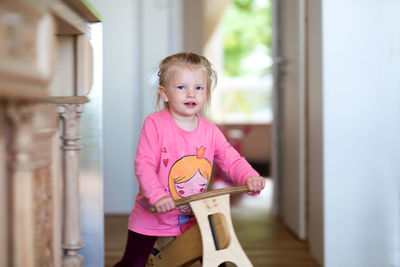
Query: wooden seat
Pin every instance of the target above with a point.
(213, 239)
(182, 251)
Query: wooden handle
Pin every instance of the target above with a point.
(213, 193)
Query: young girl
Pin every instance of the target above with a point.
(174, 156)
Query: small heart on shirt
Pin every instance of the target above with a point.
(164, 150)
(165, 162)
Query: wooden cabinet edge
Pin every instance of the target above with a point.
(86, 10)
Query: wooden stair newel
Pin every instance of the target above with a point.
(32, 186)
(72, 236)
(212, 256)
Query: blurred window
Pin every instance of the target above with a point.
(244, 91)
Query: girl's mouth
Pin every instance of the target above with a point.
(190, 104)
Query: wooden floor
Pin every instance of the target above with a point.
(265, 239)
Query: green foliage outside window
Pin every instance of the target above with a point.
(246, 28)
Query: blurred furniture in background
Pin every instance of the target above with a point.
(252, 141)
(45, 74)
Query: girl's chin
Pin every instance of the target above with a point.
(187, 114)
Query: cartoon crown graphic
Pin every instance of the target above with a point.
(200, 152)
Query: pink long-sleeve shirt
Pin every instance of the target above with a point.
(173, 162)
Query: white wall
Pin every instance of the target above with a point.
(121, 101)
(137, 35)
(91, 163)
(160, 36)
(361, 118)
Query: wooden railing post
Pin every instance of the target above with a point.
(72, 235)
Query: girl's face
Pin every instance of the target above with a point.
(195, 185)
(186, 91)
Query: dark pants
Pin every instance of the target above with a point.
(137, 250)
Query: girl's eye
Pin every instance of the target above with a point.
(181, 87)
(180, 187)
(202, 184)
(199, 88)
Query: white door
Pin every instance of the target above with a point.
(290, 113)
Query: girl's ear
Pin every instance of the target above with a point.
(163, 93)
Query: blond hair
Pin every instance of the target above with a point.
(189, 59)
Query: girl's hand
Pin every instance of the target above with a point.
(165, 204)
(255, 183)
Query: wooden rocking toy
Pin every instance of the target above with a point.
(215, 230)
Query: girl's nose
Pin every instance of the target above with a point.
(190, 93)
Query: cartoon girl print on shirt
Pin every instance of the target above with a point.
(189, 176)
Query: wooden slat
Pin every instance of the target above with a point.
(15, 91)
(66, 100)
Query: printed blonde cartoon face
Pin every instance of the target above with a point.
(195, 185)
(189, 175)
